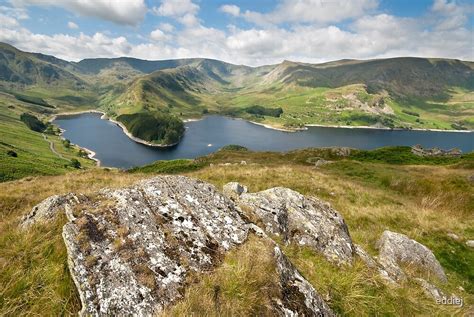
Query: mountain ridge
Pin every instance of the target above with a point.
(402, 92)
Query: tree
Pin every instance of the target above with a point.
(75, 163)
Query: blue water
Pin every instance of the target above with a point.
(113, 148)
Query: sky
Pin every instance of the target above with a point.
(250, 32)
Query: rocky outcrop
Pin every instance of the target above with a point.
(302, 220)
(49, 208)
(233, 190)
(420, 151)
(299, 298)
(132, 251)
(397, 249)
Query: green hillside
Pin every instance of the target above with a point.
(396, 93)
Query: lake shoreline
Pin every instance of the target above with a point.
(292, 130)
(105, 117)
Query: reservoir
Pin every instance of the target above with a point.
(114, 149)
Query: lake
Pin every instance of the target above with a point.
(113, 148)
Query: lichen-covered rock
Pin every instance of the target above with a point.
(303, 220)
(397, 249)
(233, 190)
(48, 209)
(130, 250)
(298, 298)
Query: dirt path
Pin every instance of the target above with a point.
(51, 147)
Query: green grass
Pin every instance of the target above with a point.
(417, 200)
(169, 167)
(34, 156)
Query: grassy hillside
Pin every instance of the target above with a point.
(155, 127)
(395, 93)
(371, 194)
(33, 153)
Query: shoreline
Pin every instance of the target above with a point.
(90, 154)
(292, 130)
(383, 128)
(105, 117)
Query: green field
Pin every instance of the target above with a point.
(34, 156)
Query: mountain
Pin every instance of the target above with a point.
(401, 77)
(26, 69)
(403, 92)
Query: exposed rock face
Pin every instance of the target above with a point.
(49, 208)
(233, 190)
(397, 249)
(299, 297)
(420, 151)
(130, 250)
(303, 220)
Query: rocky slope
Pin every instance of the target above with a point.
(134, 250)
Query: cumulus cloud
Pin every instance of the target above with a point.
(129, 12)
(230, 9)
(367, 36)
(167, 27)
(176, 8)
(159, 35)
(311, 11)
(72, 25)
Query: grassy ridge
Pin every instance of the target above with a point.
(415, 200)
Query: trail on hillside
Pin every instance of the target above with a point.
(51, 147)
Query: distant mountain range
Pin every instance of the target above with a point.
(396, 92)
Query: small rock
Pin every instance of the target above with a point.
(302, 220)
(396, 249)
(299, 298)
(233, 190)
(48, 209)
(470, 243)
(430, 290)
(453, 236)
(243, 163)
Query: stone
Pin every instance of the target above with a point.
(453, 236)
(233, 190)
(302, 220)
(470, 243)
(299, 298)
(371, 263)
(430, 290)
(397, 249)
(131, 249)
(341, 151)
(48, 209)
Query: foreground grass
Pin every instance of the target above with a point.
(424, 201)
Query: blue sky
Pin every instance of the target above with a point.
(243, 32)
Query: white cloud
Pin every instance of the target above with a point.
(167, 27)
(176, 8)
(312, 11)
(159, 35)
(368, 36)
(72, 25)
(16, 13)
(450, 15)
(129, 12)
(230, 9)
